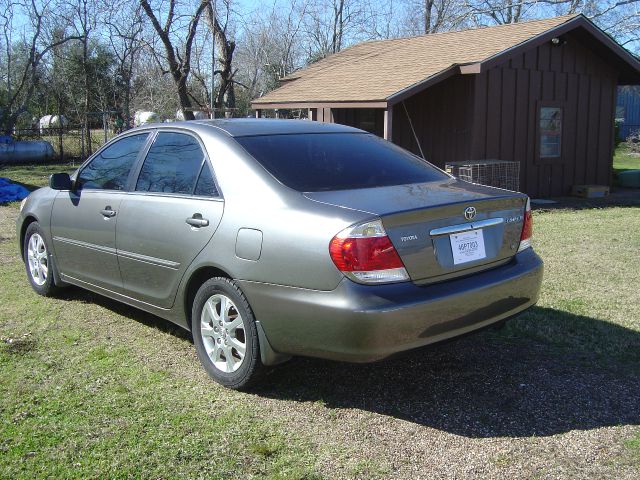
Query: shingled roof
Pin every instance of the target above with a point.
(378, 71)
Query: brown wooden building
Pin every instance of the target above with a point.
(541, 93)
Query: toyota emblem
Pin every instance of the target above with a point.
(470, 213)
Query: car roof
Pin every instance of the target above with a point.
(243, 127)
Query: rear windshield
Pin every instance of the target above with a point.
(337, 161)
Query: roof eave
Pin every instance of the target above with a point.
(268, 105)
(571, 24)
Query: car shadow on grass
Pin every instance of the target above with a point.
(85, 296)
(507, 383)
(546, 372)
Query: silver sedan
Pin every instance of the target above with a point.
(273, 238)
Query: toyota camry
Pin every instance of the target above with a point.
(274, 238)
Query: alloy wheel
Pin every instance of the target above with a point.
(223, 333)
(38, 259)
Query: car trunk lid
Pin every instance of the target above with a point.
(427, 225)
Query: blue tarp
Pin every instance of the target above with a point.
(10, 192)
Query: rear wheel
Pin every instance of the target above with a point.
(225, 334)
(38, 261)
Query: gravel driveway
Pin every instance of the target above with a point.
(472, 408)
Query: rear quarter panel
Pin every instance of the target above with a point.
(295, 230)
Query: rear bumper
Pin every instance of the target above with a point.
(362, 323)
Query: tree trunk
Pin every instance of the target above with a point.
(183, 98)
(226, 93)
(428, 7)
(179, 65)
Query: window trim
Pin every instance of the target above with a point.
(555, 159)
(133, 179)
(98, 152)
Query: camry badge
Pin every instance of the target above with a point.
(470, 213)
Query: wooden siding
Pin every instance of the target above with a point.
(441, 117)
(507, 100)
(494, 115)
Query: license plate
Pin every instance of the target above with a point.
(467, 246)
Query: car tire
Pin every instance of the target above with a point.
(39, 262)
(225, 334)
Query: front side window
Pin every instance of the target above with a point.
(109, 169)
(172, 164)
(337, 161)
(550, 132)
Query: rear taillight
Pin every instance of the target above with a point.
(365, 254)
(527, 229)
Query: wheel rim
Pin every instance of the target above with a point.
(223, 333)
(38, 259)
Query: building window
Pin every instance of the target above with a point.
(550, 132)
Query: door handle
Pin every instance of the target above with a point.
(197, 221)
(108, 212)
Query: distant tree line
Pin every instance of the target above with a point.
(96, 59)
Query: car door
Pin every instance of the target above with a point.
(83, 221)
(168, 219)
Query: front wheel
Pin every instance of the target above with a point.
(225, 335)
(38, 261)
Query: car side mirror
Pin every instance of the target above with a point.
(60, 181)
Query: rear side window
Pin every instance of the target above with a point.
(206, 187)
(109, 170)
(172, 164)
(337, 161)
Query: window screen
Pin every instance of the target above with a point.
(337, 161)
(172, 164)
(550, 132)
(109, 169)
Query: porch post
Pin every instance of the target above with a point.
(388, 123)
(258, 113)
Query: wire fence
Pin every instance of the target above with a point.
(494, 173)
(69, 144)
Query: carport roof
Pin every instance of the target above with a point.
(381, 73)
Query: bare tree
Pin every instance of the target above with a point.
(421, 17)
(125, 28)
(384, 20)
(23, 81)
(330, 25)
(226, 92)
(272, 46)
(82, 16)
(177, 59)
(618, 18)
(150, 88)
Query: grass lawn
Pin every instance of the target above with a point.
(625, 159)
(90, 388)
(35, 176)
